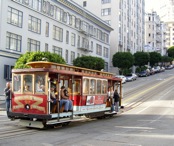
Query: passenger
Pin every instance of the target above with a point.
(26, 88)
(65, 99)
(41, 89)
(53, 96)
(7, 92)
(116, 100)
(110, 97)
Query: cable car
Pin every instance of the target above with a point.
(87, 89)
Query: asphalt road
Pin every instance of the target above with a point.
(147, 120)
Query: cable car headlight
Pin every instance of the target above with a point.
(27, 106)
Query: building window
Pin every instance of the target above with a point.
(78, 41)
(106, 66)
(34, 24)
(99, 34)
(72, 56)
(66, 56)
(13, 42)
(105, 12)
(47, 29)
(105, 1)
(105, 38)
(8, 72)
(58, 33)
(92, 46)
(15, 17)
(105, 53)
(67, 37)
(84, 4)
(78, 54)
(59, 14)
(99, 49)
(35, 4)
(73, 39)
(46, 47)
(33, 45)
(57, 50)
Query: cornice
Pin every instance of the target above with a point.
(9, 54)
(84, 13)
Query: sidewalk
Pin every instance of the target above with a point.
(2, 103)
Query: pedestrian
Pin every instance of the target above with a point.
(116, 98)
(7, 92)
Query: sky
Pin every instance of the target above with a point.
(153, 4)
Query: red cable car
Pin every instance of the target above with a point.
(31, 88)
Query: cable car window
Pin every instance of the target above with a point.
(40, 83)
(17, 83)
(85, 86)
(98, 86)
(27, 84)
(92, 86)
(104, 87)
(76, 87)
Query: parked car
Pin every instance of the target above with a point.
(131, 77)
(144, 73)
(122, 77)
(157, 69)
(152, 72)
(162, 69)
(169, 67)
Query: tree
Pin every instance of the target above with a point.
(141, 58)
(38, 56)
(90, 62)
(166, 59)
(154, 58)
(170, 52)
(123, 60)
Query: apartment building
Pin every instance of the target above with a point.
(58, 26)
(126, 17)
(166, 13)
(155, 34)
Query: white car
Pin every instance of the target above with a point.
(121, 77)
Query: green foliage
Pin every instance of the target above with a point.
(123, 60)
(141, 58)
(166, 59)
(89, 62)
(154, 58)
(37, 56)
(139, 69)
(170, 52)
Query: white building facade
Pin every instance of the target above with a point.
(58, 26)
(155, 34)
(166, 13)
(126, 17)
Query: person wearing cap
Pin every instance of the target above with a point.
(65, 98)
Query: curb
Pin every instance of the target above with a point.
(2, 109)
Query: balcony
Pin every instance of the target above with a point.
(85, 48)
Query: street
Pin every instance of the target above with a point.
(146, 120)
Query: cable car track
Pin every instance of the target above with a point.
(143, 95)
(15, 131)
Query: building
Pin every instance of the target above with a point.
(58, 26)
(126, 17)
(154, 34)
(166, 14)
